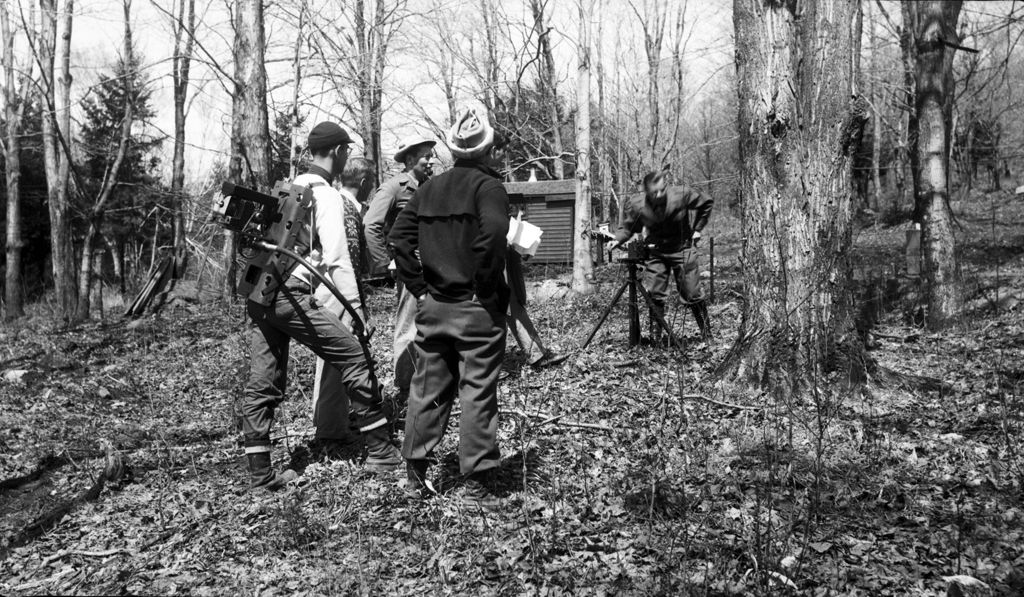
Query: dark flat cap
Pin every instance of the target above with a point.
(326, 135)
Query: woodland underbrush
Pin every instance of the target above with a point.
(625, 471)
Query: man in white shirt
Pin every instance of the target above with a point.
(334, 438)
(294, 313)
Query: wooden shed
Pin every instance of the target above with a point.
(550, 205)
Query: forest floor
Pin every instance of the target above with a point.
(679, 485)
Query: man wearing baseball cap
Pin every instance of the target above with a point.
(415, 154)
(456, 224)
(294, 313)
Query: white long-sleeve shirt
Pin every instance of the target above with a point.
(332, 257)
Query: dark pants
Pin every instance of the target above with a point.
(459, 349)
(296, 315)
(682, 265)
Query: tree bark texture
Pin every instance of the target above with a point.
(933, 26)
(56, 100)
(797, 127)
(184, 36)
(250, 127)
(583, 261)
(14, 109)
(249, 121)
(548, 78)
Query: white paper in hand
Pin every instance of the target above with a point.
(523, 236)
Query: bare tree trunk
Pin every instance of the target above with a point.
(184, 37)
(796, 126)
(583, 261)
(876, 115)
(56, 102)
(908, 51)
(369, 78)
(15, 100)
(297, 58)
(250, 128)
(549, 82)
(934, 31)
(117, 259)
(85, 276)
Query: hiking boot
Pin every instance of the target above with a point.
(416, 484)
(263, 476)
(700, 313)
(382, 455)
(476, 491)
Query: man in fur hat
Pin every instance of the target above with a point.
(456, 223)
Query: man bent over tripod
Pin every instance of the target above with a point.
(666, 215)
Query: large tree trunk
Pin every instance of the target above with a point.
(250, 126)
(583, 261)
(797, 128)
(184, 36)
(14, 109)
(934, 32)
(56, 102)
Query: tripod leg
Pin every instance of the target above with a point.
(659, 316)
(604, 316)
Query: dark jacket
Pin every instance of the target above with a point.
(380, 216)
(670, 229)
(457, 221)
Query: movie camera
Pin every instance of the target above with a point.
(265, 224)
(268, 226)
(634, 253)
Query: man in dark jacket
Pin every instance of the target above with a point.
(457, 222)
(665, 213)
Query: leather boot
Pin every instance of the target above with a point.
(263, 476)
(416, 484)
(382, 455)
(700, 313)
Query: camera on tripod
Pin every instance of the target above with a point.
(636, 252)
(263, 223)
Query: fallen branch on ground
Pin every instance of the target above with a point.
(547, 418)
(81, 552)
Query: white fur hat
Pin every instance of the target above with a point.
(471, 135)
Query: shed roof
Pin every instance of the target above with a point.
(541, 187)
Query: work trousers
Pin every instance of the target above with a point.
(295, 315)
(331, 405)
(682, 265)
(404, 354)
(459, 349)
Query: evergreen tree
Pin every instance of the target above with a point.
(137, 204)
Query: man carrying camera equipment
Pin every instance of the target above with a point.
(457, 222)
(392, 196)
(672, 237)
(294, 313)
(333, 437)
